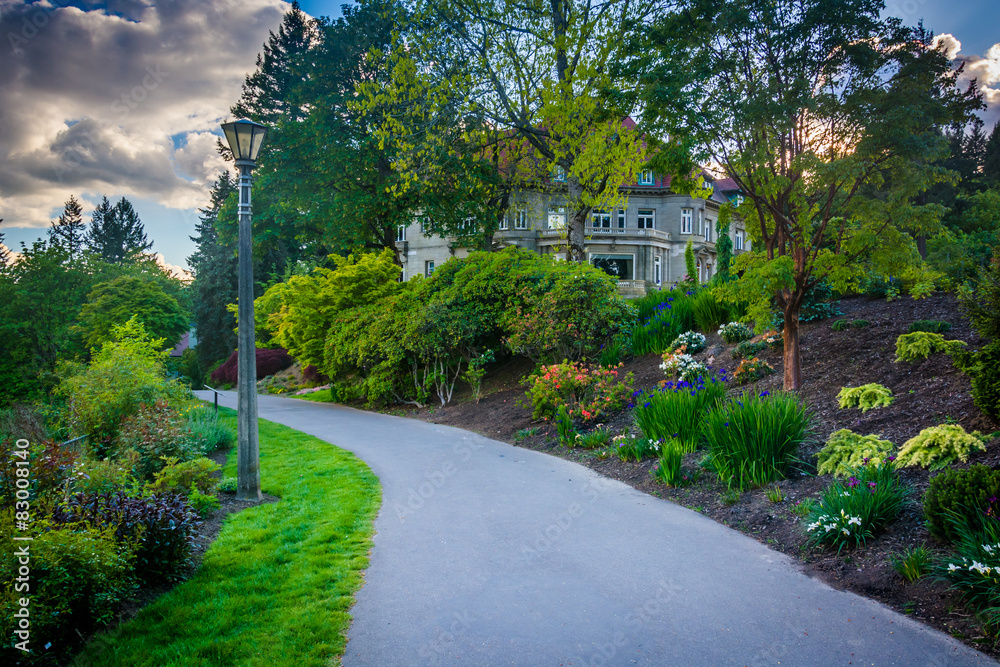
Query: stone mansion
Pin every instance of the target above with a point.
(642, 244)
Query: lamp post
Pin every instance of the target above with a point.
(245, 138)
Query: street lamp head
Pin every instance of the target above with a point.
(245, 138)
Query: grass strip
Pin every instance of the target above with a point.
(277, 585)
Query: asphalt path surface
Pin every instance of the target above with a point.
(488, 554)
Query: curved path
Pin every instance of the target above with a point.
(488, 554)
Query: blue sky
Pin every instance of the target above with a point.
(135, 109)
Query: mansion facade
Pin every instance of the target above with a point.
(641, 244)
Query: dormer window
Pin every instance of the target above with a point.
(646, 177)
(559, 174)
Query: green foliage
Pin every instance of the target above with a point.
(127, 372)
(913, 563)
(79, 577)
(587, 393)
(663, 315)
(203, 504)
(751, 370)
(630, 448)
(595, 439)
(983, 368)
(866, 397)
(187, 477)
(754, 439)
(156, 432)
(921, 344)
(973, 567)
(709, 312)
(93, 477)
(476, 371)
(677, 412)
(860, 324)
(735, 332)
(980, 301)
(930, 326)
(968, 496)
(227, 485)
(749, 349)
(846, 451)
(774, 494)
(939, 446)
(114, 303)
(668, 469)
(564, 426)
(840, 325)
(851, 512)
(205, 432)
(691, 277)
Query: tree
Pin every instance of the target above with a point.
(827, 117)
(546, 70)
(724, 245)
(116, 234)
(4, 251)
(991, 158)
(69, 231)
(112, 304)
(214, 265)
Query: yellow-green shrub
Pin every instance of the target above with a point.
(866, 397)
(846, 450)
(938, 446)
(922, 344)
(187, 477)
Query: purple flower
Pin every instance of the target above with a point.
(852, 483)
(646, 405)
(765, 393)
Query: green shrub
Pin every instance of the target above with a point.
(227, 485)
(860, 324)
(972, 570)
(866, 397)
(921, 344)
(127, 372)
(752, 370)
(692, 342)
(597, 438)
(676, 412)
(846, 451)
(156, 433)
(754, 439)
(983, 368)
(94, 477)
(205, 432)
(79, 576)
(735, 332)
(204, 504)
(855, 510)
(749, 349)
(587, 393)
(774, 339)
(840, 325)
(708, 312)
(980, 300)
(930, 326)
(564, 427)
(188, 477)
(668, 469)
(939, 446)
(913, 563)
(960, 494)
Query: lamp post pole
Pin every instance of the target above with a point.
(248, 447)
(245, 138)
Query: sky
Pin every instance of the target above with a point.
(125, 98)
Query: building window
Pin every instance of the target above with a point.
(709, 225)
(700, 279)
(701, 222)
(601, 219)
(520, 219)
(646, 218)
(686, 215)
(619, 266)
(400, 233)
(558, 174)
(504, 223)
(657, 274)
(621, 218)
(557, 217)
(738, 243)
(428, 268)
(646, 177)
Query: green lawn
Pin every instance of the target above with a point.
(277, 585)
(321, 396)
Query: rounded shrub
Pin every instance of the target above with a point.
(983, 368)
(962, 495)
(846, 451)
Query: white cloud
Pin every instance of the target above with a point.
(984, 69)
(951, 45)
(90, 100)
(173, 269)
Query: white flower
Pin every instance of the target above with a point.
(979, 567)
(952, 567)
(854, 519)
(814, 525)
(845, 531)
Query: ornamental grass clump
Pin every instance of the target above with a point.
(631, 448)
(846, 450)
(662, 317)
(676, 411)
(668, 469)
(754, 439)
(866, 397)
(974, 571)
(735, 332)
(922, 344)
(938, 447)
(852, 511)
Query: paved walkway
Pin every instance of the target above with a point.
(487, 554)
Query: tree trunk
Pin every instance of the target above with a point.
(922, 245)
(576, 223)
(793, 362)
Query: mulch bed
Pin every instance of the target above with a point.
(927, 393)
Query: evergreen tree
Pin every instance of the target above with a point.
(116, 233)
(975, 147)
(69, 231)
(4, 251)
(991, 158)
(214, 265)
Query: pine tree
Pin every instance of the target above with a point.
(116, 233)
(4, 251)
(991, 158)
(69, 231)
(214, 265)
(975, 146)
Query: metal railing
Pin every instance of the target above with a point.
(216, 392)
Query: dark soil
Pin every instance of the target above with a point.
(927, 393)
